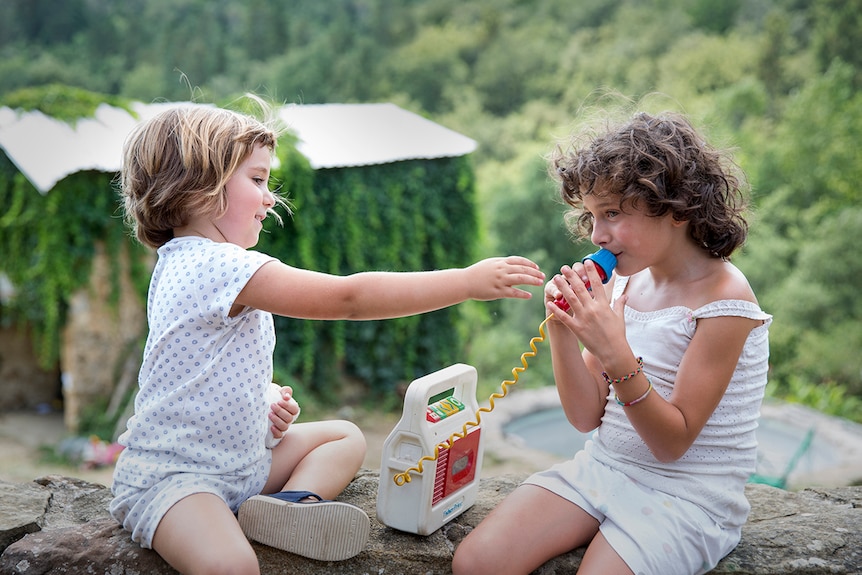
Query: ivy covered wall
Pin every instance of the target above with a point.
(403, 216)
(48, 243)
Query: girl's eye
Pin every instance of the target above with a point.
(258, 180)
(611, 214)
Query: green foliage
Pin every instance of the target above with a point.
(817, 307)
(831, 398)
(48, 243)
(405, 216)
(526, 214)
(706, 64)
(62, 102)
(837, 34)
(801, 258)
(714, 16)
(435, 52)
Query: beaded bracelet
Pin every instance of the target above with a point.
(635, 401)
(625, 377)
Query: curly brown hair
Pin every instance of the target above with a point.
(662, 165)
(177, 164)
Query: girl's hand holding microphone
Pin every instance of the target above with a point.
(603, 263)
(586, 312)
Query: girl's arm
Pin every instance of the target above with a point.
(299, 293)
(582, 395)
(668, 427)
(583, 392)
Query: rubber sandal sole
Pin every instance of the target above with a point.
(325, 530)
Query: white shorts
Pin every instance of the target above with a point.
(140, 510)
(653, 532)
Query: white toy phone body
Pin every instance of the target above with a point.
(436, 407)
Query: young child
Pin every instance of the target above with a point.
(207, 436)
(671, 376)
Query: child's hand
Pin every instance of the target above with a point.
(553, 290)
(283, 412)
(597, 325)
(495, 278)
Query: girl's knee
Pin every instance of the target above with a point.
(238, 562)
(351, 430)
(353, 439)
(469, 559)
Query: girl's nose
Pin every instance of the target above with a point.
(598, 235)
(268, 199)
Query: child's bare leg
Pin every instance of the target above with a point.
(531, 526)
(321, 456)
(200, 534)
(600, 558)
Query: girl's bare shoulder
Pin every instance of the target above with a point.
(731, 283)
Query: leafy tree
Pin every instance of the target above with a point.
(802, 257)
(424, 67)
(713, 16)
(838, 34)
(46, 22)
(704, 64)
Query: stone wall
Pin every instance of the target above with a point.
(59, 525)
(100, 339)
(99, 348)
(24, 383)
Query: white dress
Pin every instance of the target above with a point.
(200, 421)
(660, 515)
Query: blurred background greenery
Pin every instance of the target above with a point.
(779, 80)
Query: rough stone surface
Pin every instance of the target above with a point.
(58, 525)
(23, 507)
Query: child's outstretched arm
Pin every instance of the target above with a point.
(299, 293)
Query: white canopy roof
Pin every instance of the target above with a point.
(47, 150)
(341, 135)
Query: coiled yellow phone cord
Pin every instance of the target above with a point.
(404, 477)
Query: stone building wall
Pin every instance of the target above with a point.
(99, 349)
(101, 339)
(23, 384)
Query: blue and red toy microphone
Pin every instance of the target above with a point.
(605, 263)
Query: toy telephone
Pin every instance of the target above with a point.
(441, 416)
(436, 406)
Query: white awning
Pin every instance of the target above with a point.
(342, 135)
(47, 150)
